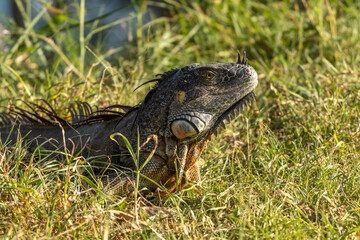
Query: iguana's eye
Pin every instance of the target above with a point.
(208, 75)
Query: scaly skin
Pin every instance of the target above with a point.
(171, 125)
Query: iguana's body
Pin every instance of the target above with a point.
(173, 123)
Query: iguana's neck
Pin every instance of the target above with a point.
(153, 113)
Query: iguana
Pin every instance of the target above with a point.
(171, 126)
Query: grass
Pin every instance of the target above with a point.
(287, 168)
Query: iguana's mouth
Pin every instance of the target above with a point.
(231, 112)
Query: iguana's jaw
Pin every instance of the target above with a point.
(192, 124)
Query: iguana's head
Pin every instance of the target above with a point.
(196, 99)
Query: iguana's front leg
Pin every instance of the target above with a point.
(158, 171)
(153, 174)
(177, 163)
(189, 165)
